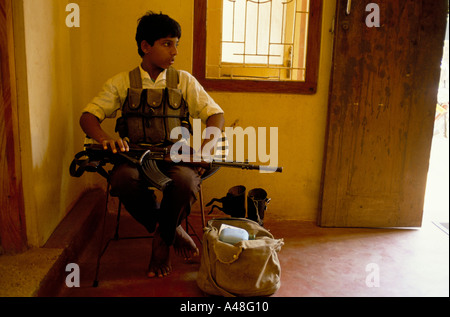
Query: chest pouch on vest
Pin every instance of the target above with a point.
(149, 115)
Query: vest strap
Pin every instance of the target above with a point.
(171, 78)
(135, 78)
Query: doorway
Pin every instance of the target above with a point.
(436, 207)
(381, 114)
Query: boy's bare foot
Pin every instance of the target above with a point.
(184, 246)
(160, 261)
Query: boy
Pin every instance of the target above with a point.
(157, 39)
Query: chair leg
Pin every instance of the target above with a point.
(101, 249)
(116, 234)
(194, 233)
(202, 211)
(202, 208)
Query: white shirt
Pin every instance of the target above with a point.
(114, 92)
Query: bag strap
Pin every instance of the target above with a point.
(135, 78)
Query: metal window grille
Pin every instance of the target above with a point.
(260, 39)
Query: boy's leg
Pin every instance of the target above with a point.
(139, 201)
(178, 198)
(175, 207)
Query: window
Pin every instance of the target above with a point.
(257, 45)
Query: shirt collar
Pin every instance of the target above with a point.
(146, 77)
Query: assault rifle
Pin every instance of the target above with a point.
(146, 158)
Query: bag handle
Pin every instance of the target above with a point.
(230, 220)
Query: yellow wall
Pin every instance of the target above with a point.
(66, 67)
(46, 114)
(301, 122)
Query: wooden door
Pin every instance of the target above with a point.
(381, 113)
(12, 219)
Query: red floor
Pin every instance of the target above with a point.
(315, 262)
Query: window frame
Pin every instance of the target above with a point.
(309, 86)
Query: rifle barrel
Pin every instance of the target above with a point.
(162, 154)
(248, 166)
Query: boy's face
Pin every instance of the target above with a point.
(162, 54)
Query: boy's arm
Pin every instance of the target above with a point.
(91, 126)
(216, 120)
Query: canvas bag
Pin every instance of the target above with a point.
(248, 268)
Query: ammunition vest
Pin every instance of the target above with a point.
(149, 115)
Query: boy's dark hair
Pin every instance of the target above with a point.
(153, 27)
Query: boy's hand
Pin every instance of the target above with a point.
(114, 145)
(200, 171)
(91, 126)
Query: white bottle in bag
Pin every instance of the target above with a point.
(231, 234)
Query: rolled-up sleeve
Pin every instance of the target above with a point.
(200, 103)
(109, 100)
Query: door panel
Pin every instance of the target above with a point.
(381, 113)
(12, 218)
